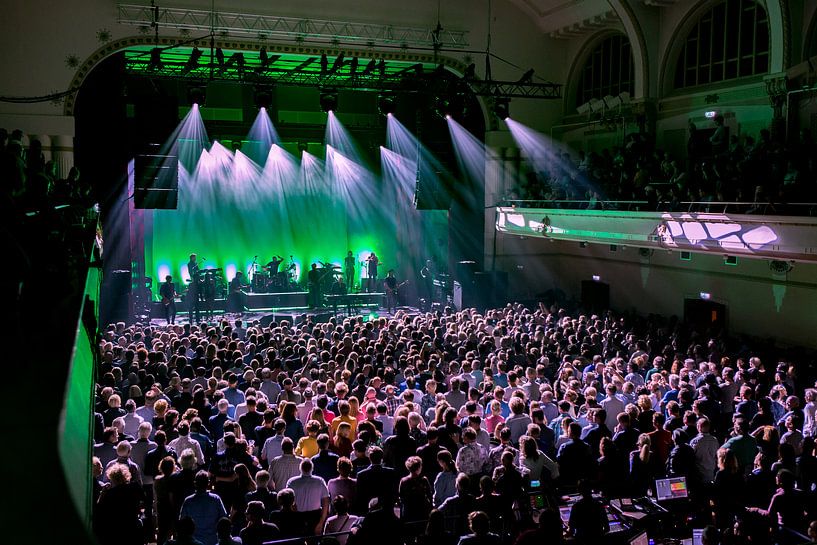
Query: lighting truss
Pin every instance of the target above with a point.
(305, 70)
(290, 28)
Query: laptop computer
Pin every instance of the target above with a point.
(640, 539)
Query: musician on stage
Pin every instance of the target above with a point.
(237, 301)
(349, 270)
(168, 294)
(427, 273)
(272, 266)
(209, 292)
(390, 283)
(314, 284)
(193, 289)
(371, 268)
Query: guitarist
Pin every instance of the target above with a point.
(391, 285)
(237, 300)
(168, 293)
(193, 295)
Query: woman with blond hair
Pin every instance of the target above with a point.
(642, 466)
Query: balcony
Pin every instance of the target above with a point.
(704, 228)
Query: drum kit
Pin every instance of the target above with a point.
(265, 281)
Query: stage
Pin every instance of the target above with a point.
(277, 306)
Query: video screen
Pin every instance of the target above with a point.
(670, 489)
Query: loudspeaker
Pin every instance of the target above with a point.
(156, 181)
(595, 295)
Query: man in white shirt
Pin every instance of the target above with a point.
(184, 441)
(706, 448)
(305, 408)
(613, 405)
(272, 446)
(282, 468)
(311, 496)
(132, 420)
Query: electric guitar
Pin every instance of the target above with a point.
(397, 287)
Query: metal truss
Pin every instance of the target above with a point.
(516, 90)
(403, 78)
(290, 28)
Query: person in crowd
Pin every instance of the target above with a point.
(311, 497)
(205, 509)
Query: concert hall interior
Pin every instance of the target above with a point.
(432, 272)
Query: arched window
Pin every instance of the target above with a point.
(729, 41)
(608, 71)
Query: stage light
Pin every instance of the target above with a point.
(418, 69)
(502, 107)
(265, 60)
(381, 67)
(527, 77)
(450, 106)
(596, 105)
(372, 64)
(238, 59)
(470, 72)
(338, 64)
(439, 71)
(583, 109)
(706, 296)
(220, 57)
(193, 62)
(596, 278)
(329, 100)
(155, 59)
(324, 64)
(353, 66)
(197, 95)
(611, 101)
(386, 104)
(263, 97)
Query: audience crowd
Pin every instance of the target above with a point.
(440, 428)
(718, 167)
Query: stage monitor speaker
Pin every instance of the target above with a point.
(156, 181)
(595, 295)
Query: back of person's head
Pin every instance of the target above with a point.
(286, 499)
(550, 523)
(710, 536)
(201, 481)
(255, 511)
(306, 466)
(287, 446)
(224, 527)
(376, 455)
(575, 430)
(340, 504)
(187, 459)
(479, 523)
(463, 483)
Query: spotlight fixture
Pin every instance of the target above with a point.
(329, 100)
(418, 69)
(527, 77)
(439, 71)
(238, 59)
(220, 58)
(596, 105)
(386, 104)
(381, 67)
(265, 60)
(324, 64)
(583, 109)
(197, 95)
(155, 59)
(502, 107)
(337, 64)
(370, 67)
(263, 97)
(353, 66)
(451, 106)
(193, 62)
(470, 72)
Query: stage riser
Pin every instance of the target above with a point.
(255, 301)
